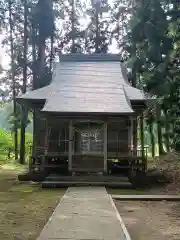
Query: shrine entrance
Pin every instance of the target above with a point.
(89, 149)
(90, 137)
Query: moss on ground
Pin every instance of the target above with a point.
(24, 208)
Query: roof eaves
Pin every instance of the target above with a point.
(127, 99)
(40, 94)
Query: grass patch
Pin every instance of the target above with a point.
(24, 208)
(12, 166)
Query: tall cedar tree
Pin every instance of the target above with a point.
(24, 112)
(15, 130)
(71, 39)
(97, 32)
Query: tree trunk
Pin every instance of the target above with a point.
(34, 61)
(24, 109)
(15, 128)
(134, 80)
(73, 50)
(97, 28)
(38, 71)
(41, 60)
(167, 130)
(152, 139)
(159, 129)
(34, 81)
(51, 55)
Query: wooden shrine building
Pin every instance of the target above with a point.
(87, 116)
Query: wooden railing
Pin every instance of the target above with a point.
(139, 152)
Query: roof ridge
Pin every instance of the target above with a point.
(93, 57)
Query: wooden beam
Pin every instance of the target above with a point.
(70, 146)
(105, 147)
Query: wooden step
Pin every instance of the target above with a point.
(85, 169)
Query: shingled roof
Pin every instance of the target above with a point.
(95, 83)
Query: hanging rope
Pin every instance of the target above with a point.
(90, 132)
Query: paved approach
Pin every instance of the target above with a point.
(84, 213)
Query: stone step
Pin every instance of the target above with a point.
(93, 178)
(62, 184)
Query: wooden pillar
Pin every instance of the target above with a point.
(70, 146)
(142, 134)
(46, 146)
(130, 135)
(134, 131)
(35, 126)
(105, 147)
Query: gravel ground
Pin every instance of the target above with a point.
(151, 220)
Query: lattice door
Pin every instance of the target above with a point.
(90, 137)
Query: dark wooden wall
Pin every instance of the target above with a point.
(88, 162)
(117, 137)
(39, 135)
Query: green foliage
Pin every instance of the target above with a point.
(6, 145)
(7, 118)
(152, 45)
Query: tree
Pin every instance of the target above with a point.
(151, 50)
(24, 113)
(71, 37)
(13, 78)
(43, 28)
(97, 32)
(120, 13)
(150, 119)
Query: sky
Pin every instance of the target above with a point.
(4, 59)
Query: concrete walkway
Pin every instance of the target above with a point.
(85, 213)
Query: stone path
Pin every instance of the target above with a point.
(85, 213)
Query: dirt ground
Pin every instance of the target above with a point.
(151, 220)
(161, 189)
(24, 208)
